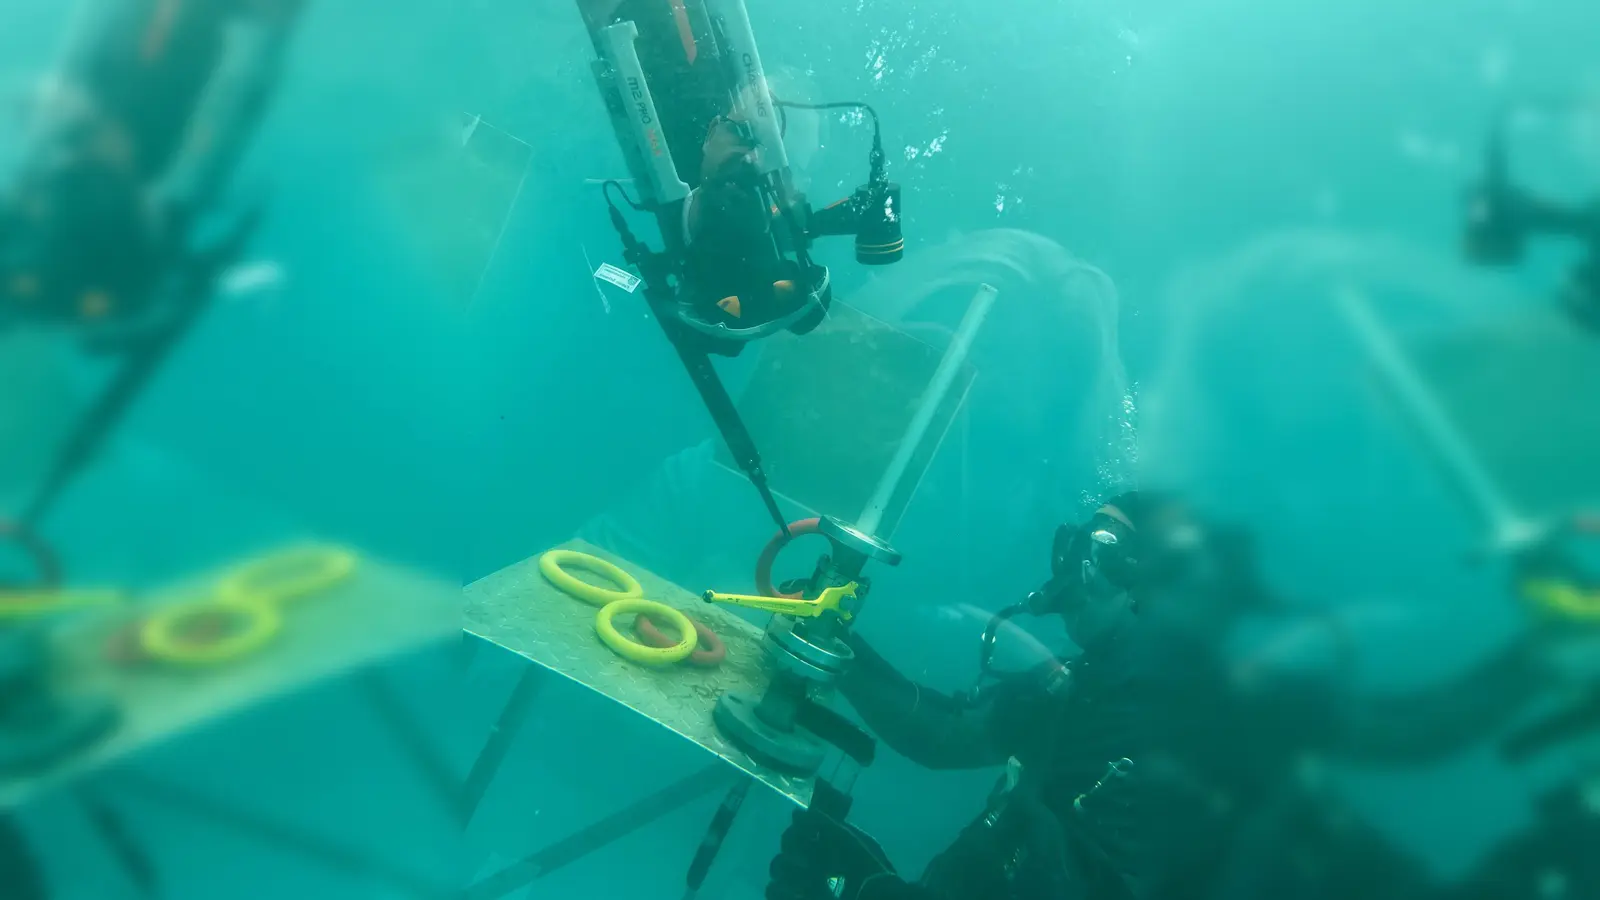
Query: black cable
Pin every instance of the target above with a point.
(606, 187)
(712, 391)
(877, 134)
(716, 833)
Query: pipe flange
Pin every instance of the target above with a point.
(795, 751)
(819, 659)
(848, 537)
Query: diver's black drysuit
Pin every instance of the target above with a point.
(1553, 857)
(1060, 825)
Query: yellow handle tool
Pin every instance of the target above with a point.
(841, 600)
(1564, 599)
(18, 604)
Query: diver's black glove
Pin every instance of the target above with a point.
(824, 859)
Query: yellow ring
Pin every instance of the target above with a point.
(287, 575)
(159, 633)
(35, 602)
(643, 653)
(550, 566)
(1564, 599)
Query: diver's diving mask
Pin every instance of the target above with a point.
(1093, 561)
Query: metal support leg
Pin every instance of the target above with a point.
(282, 837)
(134, 859)
(501, 735)
(412, 739)
(603, 833)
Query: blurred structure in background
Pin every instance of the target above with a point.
(118, 230)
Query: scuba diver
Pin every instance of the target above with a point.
(1251, 733)
(688, 98)
(1071, 817)
(1553, 856)
(1223, 794)
(1501, 216)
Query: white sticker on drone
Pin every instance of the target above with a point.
(622, 279)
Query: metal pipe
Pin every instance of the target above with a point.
(945, 375)
(1507, 527)
(753, 98)
(498, 744)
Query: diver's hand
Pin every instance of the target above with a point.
(1112, 815)
(822, 859)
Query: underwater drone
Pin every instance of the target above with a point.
(702, 135)
(1501, 217)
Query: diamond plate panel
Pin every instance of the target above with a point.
(380, 611)
(518, 610)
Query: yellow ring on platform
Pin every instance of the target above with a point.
(159, 635)
(43, 601)
(645, 654)
(1564, 599)
(550, 566)
(287, 575)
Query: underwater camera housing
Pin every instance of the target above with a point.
(122, 175)
(702, 135)
(1500, 217)
(872, 215)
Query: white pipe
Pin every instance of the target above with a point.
(1508, 528)
(932, 398)
(617, 46)
(753, 99)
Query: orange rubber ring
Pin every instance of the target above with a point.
(769, 555)
(709, 651)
